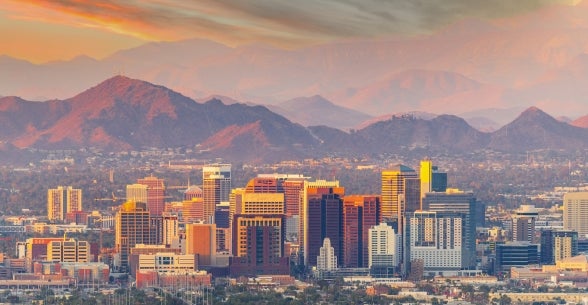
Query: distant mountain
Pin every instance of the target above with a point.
(442, 133)
(316, 110)
(122, 113)
(537, 58)
(386, 117)
(125, 114)
(580, 122)
(534, 129)
(483, 124)
(407, 91)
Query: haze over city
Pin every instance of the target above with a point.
(293, 152)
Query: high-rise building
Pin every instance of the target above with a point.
(575, 216)
(426, 176)
(457, 201)
(393, 190)
(523, 223)
(436, 238)
(192, 210)
(132, 226)
(384, 250)
(155, 194)
(170, 228)
(292, 185)
(557, 245)
(360, 213)
(439, 180)
(327, 260)
(216, 187)
(262, 203)
(61, 201)
(201, 240)
(258, 245)
(313, 188)
(324, 219)
(137, 193)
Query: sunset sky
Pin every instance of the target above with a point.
(41, 31)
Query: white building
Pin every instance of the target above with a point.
(436, 238)
(326, 259)
(575, 215)
(383, 246)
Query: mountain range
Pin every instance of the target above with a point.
(509, 63)
(122, 114)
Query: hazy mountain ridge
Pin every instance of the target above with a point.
(469, 65)
(122, 113)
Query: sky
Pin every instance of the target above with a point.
(40, 31)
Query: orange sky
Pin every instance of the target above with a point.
(44, 30)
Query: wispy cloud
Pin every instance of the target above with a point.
(285, 22)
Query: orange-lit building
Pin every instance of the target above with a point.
(360, 213)
(201, 240)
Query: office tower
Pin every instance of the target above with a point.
(61, 201)
(263, 185)
(193, 192)
(201, 240)
(515, 254)
(169, 228)
(74, 200)
(216, 187)
(292, 185)
(324, 219)
(523, 223)
(313, 188)
(132, 226)
(327, 260)
(137, 192)
(55, 204)
(439, 180)
(262, 203)
(192, 210)
(221, 215)
(235, 203)
(426, 176)
(360, 213)
(258, 245)
(383, 250)
(155, 194)
(557, 245)
(575, 216)
(393, 188)
(68, 250)
(436, 238)
(457, 201)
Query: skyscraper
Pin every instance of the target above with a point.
(436, 238)
(384, 250)
(324, 219)
(457, 201)
(557, 245)
(61, 201)
(426, 176)
(137, 193)
(258, 245)
(216, 187)
(575, 216)
(360, 213)
(312, 188)
(523, 223)
(393, 189)
(132, 226)
(155, 194)
(201, 240)
(170, 228)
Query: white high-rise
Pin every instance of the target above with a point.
(437, 238)
(326, 259)
(575, 215)
(61, 201)
(383, 246)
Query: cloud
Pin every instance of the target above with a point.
(281, 22)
